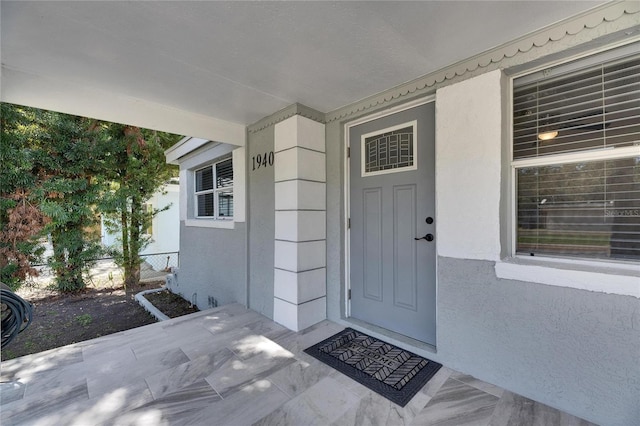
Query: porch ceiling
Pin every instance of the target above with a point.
(193, 67)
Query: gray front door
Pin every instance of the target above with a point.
(392, 202)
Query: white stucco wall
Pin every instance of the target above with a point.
(468, 164)
(470, 131)
(166, 224)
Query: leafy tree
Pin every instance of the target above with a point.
(58, 171)
(136, 169)
(71, 154)
(21, 221)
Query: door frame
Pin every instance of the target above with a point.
(347, 193)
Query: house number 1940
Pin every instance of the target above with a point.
(262, 160)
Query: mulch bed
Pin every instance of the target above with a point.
(101, 309)
(170, 304)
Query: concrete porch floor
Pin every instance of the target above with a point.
(233, 366)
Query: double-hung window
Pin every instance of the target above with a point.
(214, 191)
(576, 159)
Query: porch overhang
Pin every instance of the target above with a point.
(209, 69)
(24, 88)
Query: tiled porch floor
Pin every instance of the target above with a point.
(233, 366)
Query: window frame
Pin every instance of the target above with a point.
(599, 154)
(215, 190)
(148, 211)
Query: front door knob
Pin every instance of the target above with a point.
(428, 237)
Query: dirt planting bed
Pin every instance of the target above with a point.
(101, 309)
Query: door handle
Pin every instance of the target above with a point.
(428, 237)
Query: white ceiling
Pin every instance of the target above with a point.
(241, 61)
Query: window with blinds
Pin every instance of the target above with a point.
(224, 188)
(576, 159)
(214, 190)
(594, 108)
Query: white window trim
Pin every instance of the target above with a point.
(605, 276)
(210, 223)
(612, 153)
(582, 275)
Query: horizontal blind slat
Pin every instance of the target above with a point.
(224, 174)
(204, 179)
(590, 108)
(588, 209)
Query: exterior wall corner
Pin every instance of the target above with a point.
(300, 223)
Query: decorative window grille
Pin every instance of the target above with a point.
(214, 190)
(389, 150)
(576, 159)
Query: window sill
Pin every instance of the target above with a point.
(613, 278)
(210, 223)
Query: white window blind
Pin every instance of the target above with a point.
(224, 188)
(597, 107)
(204, 192)
(224, 174)
(585, 209)
(582, 205)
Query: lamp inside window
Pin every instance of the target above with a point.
(546, 136)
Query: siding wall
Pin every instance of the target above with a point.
(166, 224)
(212, 263)
(573, 349)
(570, 348)
(261, 221)
(232, 265)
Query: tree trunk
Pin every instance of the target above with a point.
(126, 256)
(67, 262)
(134, 243)
(59, 258)
(75, 262)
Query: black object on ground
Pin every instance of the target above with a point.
(388, 370)
(16, 314)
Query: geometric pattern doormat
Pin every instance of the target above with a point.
(390, 371)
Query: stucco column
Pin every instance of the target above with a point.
(300, 228)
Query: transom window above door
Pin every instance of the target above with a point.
(389, 150)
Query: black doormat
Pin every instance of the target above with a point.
(388, 370)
